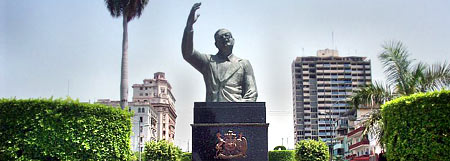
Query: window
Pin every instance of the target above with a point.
(141, 119)
(143, 110)
(141, 129)
(146, 94)
(141, 138)
(162, 90)
(140, 94)
(139, 110)
(146, 88)
(140, 88)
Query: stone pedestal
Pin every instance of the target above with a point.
(246, 118)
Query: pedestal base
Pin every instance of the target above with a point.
(246, 118)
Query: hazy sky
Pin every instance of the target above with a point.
(47, 43)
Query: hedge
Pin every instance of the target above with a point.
(417, 127)
(186, 156)
(282, 155)
(47, 129)
(311, 150)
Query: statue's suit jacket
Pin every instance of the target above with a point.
(235, 84)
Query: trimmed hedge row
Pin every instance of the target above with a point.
(282, 155)
(47, 129)
(417, 127)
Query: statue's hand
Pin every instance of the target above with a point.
(192, 17)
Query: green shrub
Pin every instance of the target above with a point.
(279, 147)
(417, 127)
(162, 151)
(136, 155)
(186, 156)
(282, 155)
(311, 150)
(46, 129)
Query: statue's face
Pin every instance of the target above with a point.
(224, 39)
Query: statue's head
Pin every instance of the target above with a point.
(224, 40)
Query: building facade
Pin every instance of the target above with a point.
(362, 147)
(144, 125)
(144, 122)
(158, 93)
(154, 111)
(322, 86)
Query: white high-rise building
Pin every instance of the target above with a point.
(143, 124)
(154, 111)
(158, 93)
(322, 86)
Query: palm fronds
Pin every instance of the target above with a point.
(372, 95)
(396, 66)
(130, 8)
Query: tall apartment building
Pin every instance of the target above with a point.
(158, 93)
(322, 86)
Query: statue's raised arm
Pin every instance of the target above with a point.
(187, 44)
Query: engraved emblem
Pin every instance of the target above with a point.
(230, 146)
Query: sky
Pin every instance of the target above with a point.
(59, 48)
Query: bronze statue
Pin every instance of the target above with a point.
(230, 146)
(227, 77)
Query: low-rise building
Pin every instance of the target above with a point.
(362, 147)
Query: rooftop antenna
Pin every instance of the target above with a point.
(332, 40)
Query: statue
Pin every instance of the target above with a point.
(227, 77)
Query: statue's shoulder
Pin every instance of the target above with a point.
(244, 61)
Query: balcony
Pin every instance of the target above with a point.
(358, 158)
(355, 131)
(338, 146)
(362, 142)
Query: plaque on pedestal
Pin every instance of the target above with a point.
(235, 131)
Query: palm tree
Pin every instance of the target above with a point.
(403, 78)
(407, 78)
(128, 9)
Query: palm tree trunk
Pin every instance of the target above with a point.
(124, 67)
